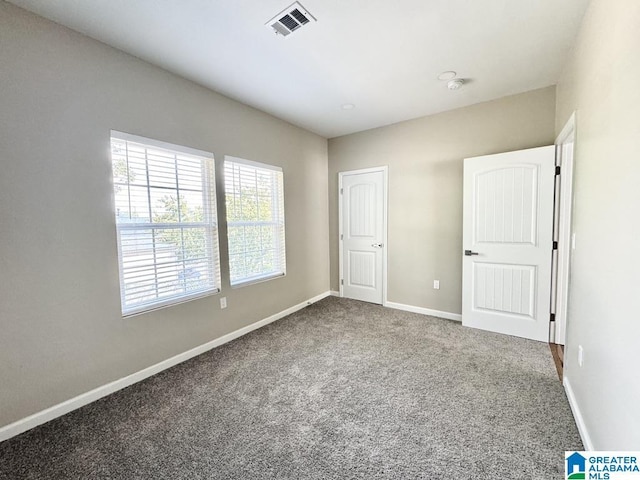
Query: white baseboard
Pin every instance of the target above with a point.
(424, 311)
(577, 415)
(81, 400)
(410, 308)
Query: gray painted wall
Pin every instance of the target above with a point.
(61, 331)
(425, 186)
(600, 83)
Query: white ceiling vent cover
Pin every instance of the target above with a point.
(290, 19)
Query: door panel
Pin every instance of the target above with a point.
(504, 288)
(361, 201)
(508, 222)
(363, 234)
(506, 205)
(362, 269)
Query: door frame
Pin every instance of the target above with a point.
(564, 234)
(385, 210)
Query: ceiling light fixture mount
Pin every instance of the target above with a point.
(455, 84)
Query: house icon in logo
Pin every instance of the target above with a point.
(576, 466)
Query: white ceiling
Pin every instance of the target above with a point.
(381, 55)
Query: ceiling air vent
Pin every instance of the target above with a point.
(290, 19)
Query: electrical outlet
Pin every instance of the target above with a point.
(436, 284)
(223, 302)
(580, 355)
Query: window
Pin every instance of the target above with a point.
(255, 220)
(165, 206)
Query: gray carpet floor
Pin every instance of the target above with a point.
(339, 390)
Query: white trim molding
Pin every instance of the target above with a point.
(424, 311)
(413, 309)
(27, 423)
(577, 415)
(565, 159)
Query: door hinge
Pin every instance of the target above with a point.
(555, 245)
(552, 317)
(558, 170)
(341, 281)
(341, 191)
(341, 236)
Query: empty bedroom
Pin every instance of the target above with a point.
(319, 239)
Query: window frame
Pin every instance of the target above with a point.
(210, 223)
(279, 222)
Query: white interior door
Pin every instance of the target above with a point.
(507, 237)
(363, 234)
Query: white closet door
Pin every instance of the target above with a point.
(363, 234)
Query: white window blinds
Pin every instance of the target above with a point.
(255, 220)
(165, 206)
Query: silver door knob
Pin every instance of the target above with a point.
(376, 245)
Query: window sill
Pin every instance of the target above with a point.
(254, 280)
(169, 303)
